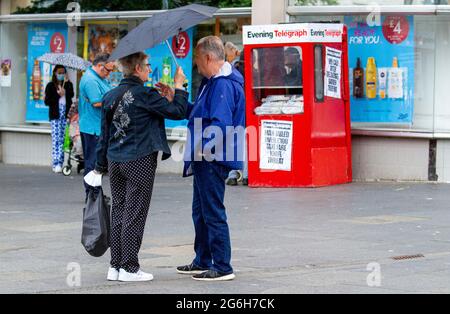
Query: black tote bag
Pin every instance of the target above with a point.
(96, 224)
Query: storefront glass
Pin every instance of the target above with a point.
(21, 97)
(13, 94)
(367, 2)
(277, 80)
(398, 71)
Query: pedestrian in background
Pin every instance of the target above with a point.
(241, 175)
(93, 86)
(58, 97)
(232, 53)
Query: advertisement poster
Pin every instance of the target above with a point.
(5, 72)
(333, 73)
(103, 37)
(163, 66)
(381, 60)
(276, 145)
(42, 38)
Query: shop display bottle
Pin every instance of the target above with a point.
(358, 80)
(371, 78)
(36, 81)
(382, 79)
(395, 81)
(167, 71)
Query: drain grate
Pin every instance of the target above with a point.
(403, 257)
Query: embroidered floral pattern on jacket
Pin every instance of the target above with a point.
(121, 120)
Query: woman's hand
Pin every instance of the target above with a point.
(179, 78)
(165, 91)
(61, 91)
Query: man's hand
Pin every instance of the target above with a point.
(165, 91)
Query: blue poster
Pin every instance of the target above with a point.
(381, 61)
(163, 65)
(42, 38)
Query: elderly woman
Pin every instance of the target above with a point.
(133, 132)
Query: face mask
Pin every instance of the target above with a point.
(60, 77)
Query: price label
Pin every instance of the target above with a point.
(181, 45)
(57, 43)
(395, 29)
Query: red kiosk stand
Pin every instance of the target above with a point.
(298, 110)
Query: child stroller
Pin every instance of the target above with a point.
(73, 148)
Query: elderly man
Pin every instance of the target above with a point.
(218, 109)
(93, 86)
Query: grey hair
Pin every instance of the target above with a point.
(230, 45)
(213, 45)
(127, 65)
(101, 58)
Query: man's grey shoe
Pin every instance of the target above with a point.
(190, 269)
(232, 181)
(212, 275)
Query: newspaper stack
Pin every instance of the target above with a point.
(281, 104)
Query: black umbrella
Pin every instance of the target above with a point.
(161, 26)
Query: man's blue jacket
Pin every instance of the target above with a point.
(216, 127)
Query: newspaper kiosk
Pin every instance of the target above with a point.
(297, 105)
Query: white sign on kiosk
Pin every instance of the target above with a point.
(292, 33)
(333, 73)
(276, 145)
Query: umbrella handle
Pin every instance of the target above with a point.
(185, 85)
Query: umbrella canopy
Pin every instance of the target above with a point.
(161, 26)
(68, 60)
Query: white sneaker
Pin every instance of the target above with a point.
(57, 169)
(113, 274)
(139, 276)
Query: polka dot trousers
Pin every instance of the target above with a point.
(131, 191)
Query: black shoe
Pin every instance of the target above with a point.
(212, 275)
(232, 181)
(191, 269)
(244, 181)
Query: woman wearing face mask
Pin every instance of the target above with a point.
(58, 97)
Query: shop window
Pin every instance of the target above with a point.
(277, 79)
(397, 71)
(278, 68)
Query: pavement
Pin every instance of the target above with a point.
(380, 237)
